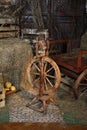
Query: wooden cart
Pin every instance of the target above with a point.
(74, 65)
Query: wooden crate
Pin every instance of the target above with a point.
(2, 98)
(9, 31)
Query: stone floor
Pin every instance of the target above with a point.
(18, 112)
(69, 110)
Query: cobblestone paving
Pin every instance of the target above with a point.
(18, 112)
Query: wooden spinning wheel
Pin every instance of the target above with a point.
(43, 75)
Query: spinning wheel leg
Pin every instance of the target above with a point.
(53, 101)
(45, 101)
(33, 100)
(44, 107)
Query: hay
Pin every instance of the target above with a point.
(14, 53)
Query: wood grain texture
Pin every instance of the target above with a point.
(40, 126)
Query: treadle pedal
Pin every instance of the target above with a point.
(36, 106)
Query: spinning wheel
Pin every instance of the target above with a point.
(43, 75)
(81, 84)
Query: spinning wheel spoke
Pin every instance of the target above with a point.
(36, 66)
(85, 78)
(49, 82)
(36, 80)
(50, 76)
(49, 70)
(34, 73)
(45, 85)
(45, 66)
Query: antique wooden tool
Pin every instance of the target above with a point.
(43, 74)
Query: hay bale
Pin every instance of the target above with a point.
(14, 53)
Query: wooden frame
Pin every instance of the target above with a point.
(75, 63)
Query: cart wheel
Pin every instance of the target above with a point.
(51, 75)
(81, 84)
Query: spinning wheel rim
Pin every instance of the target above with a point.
(55, 68)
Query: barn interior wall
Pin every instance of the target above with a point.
(63, 18)
(66, 18)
